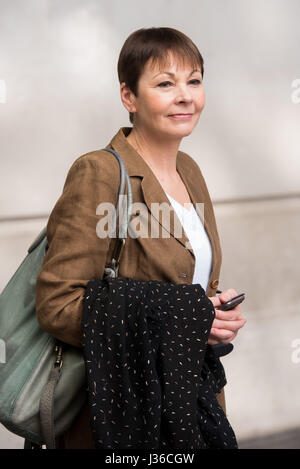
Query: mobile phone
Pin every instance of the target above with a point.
(232, 303)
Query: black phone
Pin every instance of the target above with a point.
(232, 303)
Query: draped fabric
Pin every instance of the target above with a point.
(152, 379)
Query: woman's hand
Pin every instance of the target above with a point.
(226, 323)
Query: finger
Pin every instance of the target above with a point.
(227, 295)
(222, 335)
(213, 341)
(230, 315)
(215, 301)
(236, 308)
(233, 326)
(234, 312)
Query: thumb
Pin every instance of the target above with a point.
(215, 300)
(227, 295)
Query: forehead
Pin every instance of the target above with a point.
(170, 62)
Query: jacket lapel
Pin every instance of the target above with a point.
(153, 192)
(155, 196)
(199, 195)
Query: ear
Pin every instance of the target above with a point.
(127, 97)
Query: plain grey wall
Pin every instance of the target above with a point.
(58, 63)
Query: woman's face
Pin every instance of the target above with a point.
(170, 100)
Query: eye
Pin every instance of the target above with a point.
(195, 82)
(165, 84)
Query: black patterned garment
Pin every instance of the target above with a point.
(152, 380)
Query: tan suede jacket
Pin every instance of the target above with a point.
(76, 254)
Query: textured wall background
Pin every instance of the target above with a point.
(59, 98)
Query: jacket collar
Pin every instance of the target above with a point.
(135, 164)
(152, 189)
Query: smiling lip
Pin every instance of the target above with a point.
(180, 116)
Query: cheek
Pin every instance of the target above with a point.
(200, 101)
(157, 104)
(199, 105)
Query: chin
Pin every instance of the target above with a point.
(181, 133)
(182, 129)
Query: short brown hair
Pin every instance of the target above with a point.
(154, 44)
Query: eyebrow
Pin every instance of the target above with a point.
(173, 74)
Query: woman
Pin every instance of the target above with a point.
(160, 72)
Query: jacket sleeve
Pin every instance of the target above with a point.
(75, 254)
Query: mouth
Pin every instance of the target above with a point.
(180, 116)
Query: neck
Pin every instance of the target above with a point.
(159, 153)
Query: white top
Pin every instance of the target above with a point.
(198, 239)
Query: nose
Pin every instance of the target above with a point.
(183, 94)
